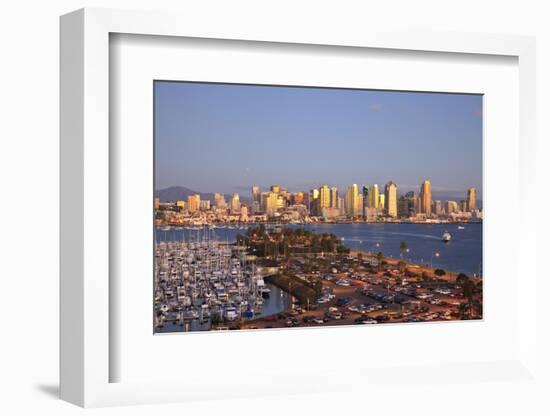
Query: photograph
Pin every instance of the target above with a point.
(282, 206)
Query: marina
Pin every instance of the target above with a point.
(202, 283)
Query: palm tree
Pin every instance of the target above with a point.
(380, 257)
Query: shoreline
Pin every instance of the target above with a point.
(321, 223)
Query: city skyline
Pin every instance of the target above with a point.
(307, 137)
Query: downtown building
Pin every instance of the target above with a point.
(390, 200)
(426, 198)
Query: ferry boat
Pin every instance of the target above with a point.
(446, 237)
(460, 227)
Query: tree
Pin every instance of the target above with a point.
(402, 266)
(439, 272)
(380, 258)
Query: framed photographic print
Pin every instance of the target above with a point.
(319, 212)
(315, 248)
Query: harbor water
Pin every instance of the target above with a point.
(462, 254)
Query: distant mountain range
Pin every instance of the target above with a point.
(180, 193)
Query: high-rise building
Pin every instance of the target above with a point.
(334, 197)
(299, 198)
(314, 202)
(451, 207)
(157, 202)
(204, 205)
(235, 203)
(341, 205)
(352, 200)
(219, 201)
(193, 203)
(406, 206)
(275, 189)
(324, 197)
(365, 200)
(373, 197)
(244, 213)
(464, 205)
(271, 204)
(438, 208)
(382, 201)
(391, 199)
(426, 198)
(256, 194)
(471, 198)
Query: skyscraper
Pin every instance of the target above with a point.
(382, 201)
(373, 196)
(235, 203)
(314, 202)
(407, 205)
(426, 198)
(334, 197)
(271, 204)
(219, 200)
(438, 208)
(471, 198)
(256, 194)
(365, 200)
(193, 203)
(324, 197)
(391, 199)
(299, 198)
(351, 200)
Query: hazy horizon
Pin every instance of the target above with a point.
(227, 137)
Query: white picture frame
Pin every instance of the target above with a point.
(86, 356)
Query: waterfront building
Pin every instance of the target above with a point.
(204, 205)
(365, 200)
(244, 213)
(272, 202)
(235, 203)
(256, 194)
(451, 207)
(298, 198)
(391, 199)
(306, 198)
(157, 202)
(426, 198)
(314, 202)
(382, 202)
(334, 197)
(437, 208)
(324, 197)
(352, 198)
(471, 198)
(341, 205)
(373, 197)
(219, 201)
(407, 205)
(193, 203)
(256, 207)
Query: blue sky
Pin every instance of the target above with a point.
(227, 137)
